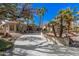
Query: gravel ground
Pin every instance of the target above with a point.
(37, 45)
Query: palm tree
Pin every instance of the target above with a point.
(40, 12)
(67, 17)
(60, 19)
(53, 24)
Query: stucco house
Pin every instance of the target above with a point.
(12, 26)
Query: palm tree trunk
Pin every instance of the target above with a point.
(61, 27)
(40, 21)
(53, 27)
(27, 21)
(69, 27)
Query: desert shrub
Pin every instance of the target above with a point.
(4, 45)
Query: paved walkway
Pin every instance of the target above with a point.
(37, 45)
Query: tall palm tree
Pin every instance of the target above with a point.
(40, 12)
(67, 17)
(60, 19)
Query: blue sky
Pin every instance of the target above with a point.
(52, 10)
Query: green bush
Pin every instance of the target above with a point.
(4, 45)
